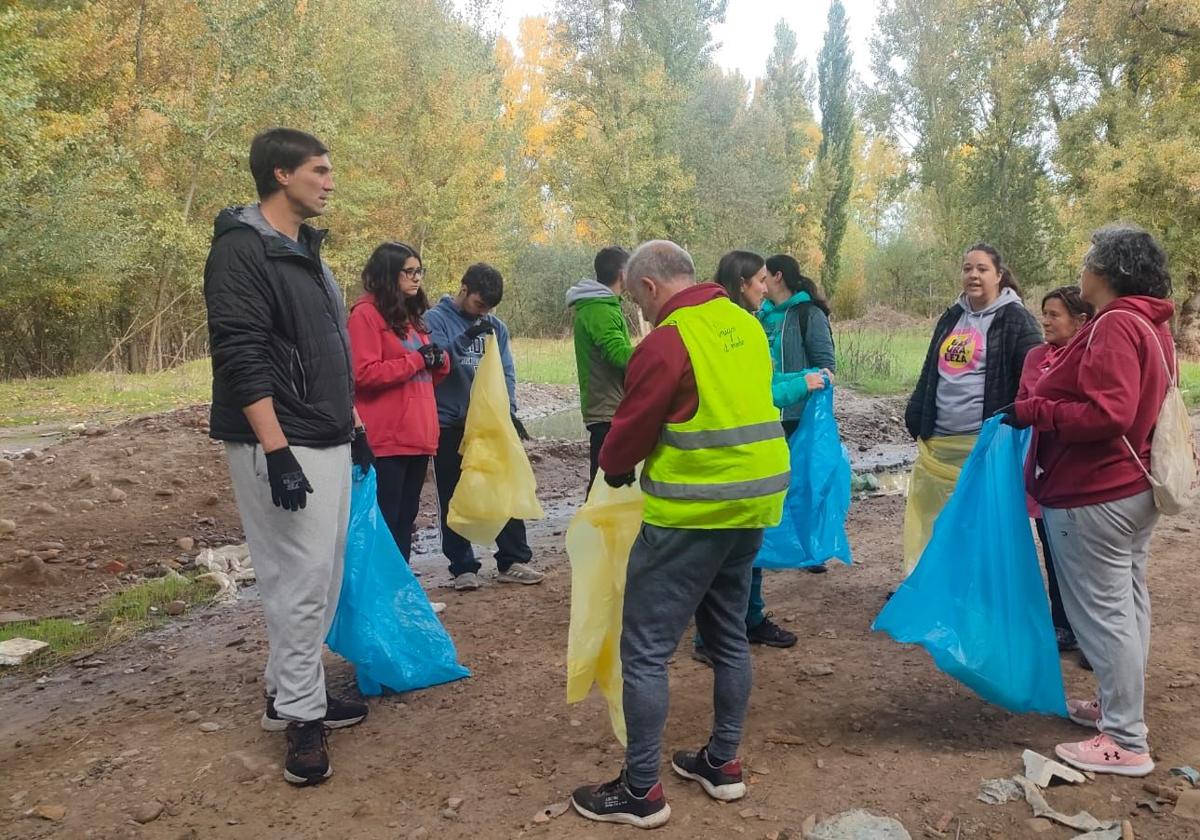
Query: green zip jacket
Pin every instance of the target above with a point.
(602, 349)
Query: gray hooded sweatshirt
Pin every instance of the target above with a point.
(962, 367)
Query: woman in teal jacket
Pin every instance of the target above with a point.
(796, 318)
(744, 276)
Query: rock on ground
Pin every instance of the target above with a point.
(859, 825)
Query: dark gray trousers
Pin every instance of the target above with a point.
(673, 574)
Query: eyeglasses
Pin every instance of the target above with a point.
(413, 272)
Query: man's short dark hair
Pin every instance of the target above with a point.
(485, 281)
(280, 148)
(609, 264)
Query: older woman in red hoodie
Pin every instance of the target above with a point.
(1094, 412)
(395, 369)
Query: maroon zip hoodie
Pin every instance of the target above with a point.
(660, 387)
(1090, 397)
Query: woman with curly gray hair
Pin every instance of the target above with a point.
(1094, 413)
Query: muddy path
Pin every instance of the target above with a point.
(122, 735)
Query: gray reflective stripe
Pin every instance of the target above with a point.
(717, 492)
(714, 439)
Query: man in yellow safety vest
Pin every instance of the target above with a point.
(698, 412)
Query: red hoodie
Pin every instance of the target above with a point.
(1090, 397)
(393, 391)
(660, 387)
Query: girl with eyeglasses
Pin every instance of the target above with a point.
(395, 369)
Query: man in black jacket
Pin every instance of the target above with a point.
(283, 402)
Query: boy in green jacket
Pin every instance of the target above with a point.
(602, 345)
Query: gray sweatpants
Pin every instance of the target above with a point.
(1101, 553)
(674, 574)
(297, 557)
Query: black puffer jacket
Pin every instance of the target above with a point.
(276, 328)
(1013, 333)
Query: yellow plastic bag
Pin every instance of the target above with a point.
(939, 462)
(598, 543)
(497, 482)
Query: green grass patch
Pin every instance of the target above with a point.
(880, 362)
(109, 396)
(134, 604)
(65, 636)
(545, 361)
(71, 399)
(117, 618)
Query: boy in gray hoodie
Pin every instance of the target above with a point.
(459, 324)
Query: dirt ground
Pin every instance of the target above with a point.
(118, 734)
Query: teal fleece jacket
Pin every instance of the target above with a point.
(796, 352)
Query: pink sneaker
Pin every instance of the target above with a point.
(1084, 712)
(1103, 755)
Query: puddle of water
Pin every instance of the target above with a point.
(561, 425)
(20, 438)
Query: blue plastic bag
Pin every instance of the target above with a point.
(976, 600)
(384, 623)
(813, 528)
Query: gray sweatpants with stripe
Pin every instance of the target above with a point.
(1101, 553)
(297, 557)
(673, 574)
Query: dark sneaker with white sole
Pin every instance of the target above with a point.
(307, 761)
(339, 714)
(723, 783)
(614, 802)
(771, 634)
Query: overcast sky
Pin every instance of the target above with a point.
(748, 33)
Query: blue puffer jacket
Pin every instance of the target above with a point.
(796, 351)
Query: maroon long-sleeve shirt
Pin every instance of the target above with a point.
(1090, 397)
(660, 388)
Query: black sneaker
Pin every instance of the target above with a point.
(723, 783)
(771, 634)
(614, 802)
(307, 760)
(338, 714)
(1066, 639)
(818, 569)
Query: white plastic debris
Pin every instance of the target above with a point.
(1042, 771)
(999, 791)
(228, 566)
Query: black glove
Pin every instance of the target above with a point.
(480, 327)
(433, 355)
(522, 432)
(1009, 413)
(360, 451)
(289, 485)
(621, 479)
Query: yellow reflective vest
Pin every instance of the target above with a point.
(728, 466)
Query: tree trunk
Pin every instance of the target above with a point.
(1188, 335)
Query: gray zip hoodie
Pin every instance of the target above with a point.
(962, 367)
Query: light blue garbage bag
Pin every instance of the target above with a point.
(385, 625)
(813, 529)
(976, 600)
